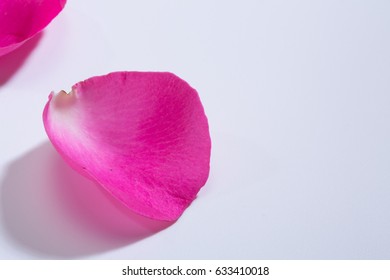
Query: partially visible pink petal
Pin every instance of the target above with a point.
(143, 136)
(22, 19)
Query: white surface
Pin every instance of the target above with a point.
(297, 94)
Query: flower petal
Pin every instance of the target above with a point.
(22, 19)
(143, 136)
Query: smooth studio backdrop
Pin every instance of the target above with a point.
(297, 94)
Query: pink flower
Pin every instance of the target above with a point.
(143, 136)
(20, 20)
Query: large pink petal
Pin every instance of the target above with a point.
(143, 136)
(22, 19)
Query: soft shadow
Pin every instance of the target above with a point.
(54, 212)
(11, 62)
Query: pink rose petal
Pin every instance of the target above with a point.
(22, 19)
(143, 136)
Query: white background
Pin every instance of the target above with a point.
(297, 94)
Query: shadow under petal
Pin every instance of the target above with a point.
(53, 212)
(11, 62)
